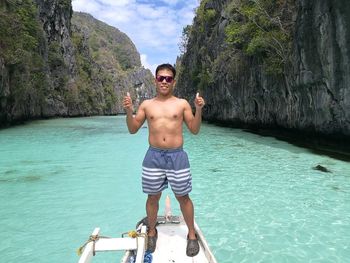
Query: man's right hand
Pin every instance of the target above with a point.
(127, 103)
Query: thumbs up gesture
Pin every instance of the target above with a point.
(127, 103)
(199, 101)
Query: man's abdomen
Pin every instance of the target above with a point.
(166, 141)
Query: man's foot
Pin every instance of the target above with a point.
(152, 242)
(192, 248)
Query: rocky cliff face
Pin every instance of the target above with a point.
(58, 52)
(321, 61)
(54, 63)
(55, 17)
(109, 63)
(312, 93)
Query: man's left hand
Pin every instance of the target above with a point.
(199, 101)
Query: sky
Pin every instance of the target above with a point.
(154, 26)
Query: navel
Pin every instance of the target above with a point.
(163, 139)
(175, 116)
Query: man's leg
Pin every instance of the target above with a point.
(152, 206)
(187, 210)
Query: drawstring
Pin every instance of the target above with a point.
(164, 154)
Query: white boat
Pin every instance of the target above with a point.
(171, 244)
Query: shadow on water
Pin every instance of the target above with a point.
(215, 170)
(18, 176)
(9, 172)
(21, 179)
(335, 146)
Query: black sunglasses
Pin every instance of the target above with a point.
(168, 79)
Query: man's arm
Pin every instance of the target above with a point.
(133, 122)
(194, 122)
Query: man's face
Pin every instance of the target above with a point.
(165, 82)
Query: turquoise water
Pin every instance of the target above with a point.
(256, 199)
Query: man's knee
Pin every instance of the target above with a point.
(183, 199)
(154, 199)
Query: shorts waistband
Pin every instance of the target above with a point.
(168, 150)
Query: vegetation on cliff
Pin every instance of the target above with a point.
(53, 64)
(21, 64)
(231, 32)
(106, 59)
(262, 29)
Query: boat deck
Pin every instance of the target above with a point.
(171, 245)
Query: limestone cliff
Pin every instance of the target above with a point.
(302, 85)
(54, 63)
(109, 62)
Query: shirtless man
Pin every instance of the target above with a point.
(165, 160)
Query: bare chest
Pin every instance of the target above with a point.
(170, 112)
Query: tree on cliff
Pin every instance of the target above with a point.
(262, 28)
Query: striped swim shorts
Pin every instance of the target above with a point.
(161, 166)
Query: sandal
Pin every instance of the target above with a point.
(152, 242)
(192, 248)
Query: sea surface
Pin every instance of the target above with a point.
(256, 199)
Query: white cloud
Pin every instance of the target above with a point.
(117, 3)
(155, 26)
(146, 64)
(115, 16)
(85, 6)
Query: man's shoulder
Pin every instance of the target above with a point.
(146, 102)
(149, 103)
(182, 101)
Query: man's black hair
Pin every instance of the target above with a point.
(166, 66)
